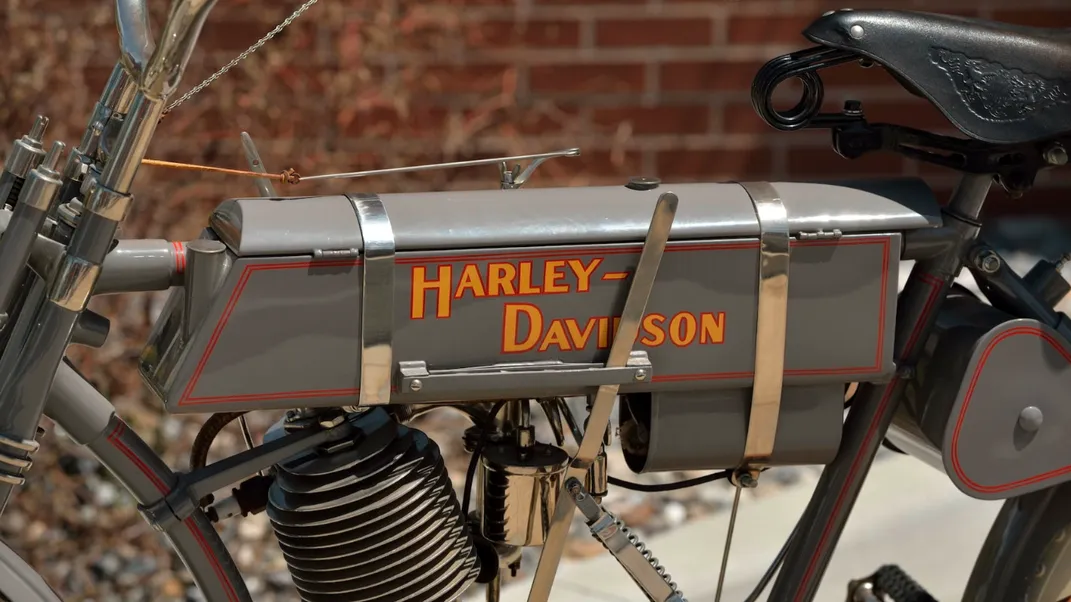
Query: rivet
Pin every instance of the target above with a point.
(1030, 419)
(641, 374)
(416, 385)
(856, 32)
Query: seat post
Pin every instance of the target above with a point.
(969, 196)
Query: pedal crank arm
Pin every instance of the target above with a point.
(615, 539)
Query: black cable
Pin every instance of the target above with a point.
(477, 450)
(659, 487)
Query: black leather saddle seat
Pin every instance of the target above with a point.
(997, 83)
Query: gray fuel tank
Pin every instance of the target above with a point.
(485, 278)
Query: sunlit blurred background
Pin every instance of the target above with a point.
(643, 87)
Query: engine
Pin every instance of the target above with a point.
(373, 517)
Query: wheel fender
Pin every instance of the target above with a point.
(19, 582)
(1006, 564)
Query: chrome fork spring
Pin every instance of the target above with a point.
(647, 554)
(11, 465)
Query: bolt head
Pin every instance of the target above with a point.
(988, 262)
(1030, 419)
(641, 374)
(1056, 155)
(416, 385)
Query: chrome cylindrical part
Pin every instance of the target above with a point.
(517, 492)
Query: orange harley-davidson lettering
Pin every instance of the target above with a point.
(524, 328)
(433, 291)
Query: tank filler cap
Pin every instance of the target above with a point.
(643, 183)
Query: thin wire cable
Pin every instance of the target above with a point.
(241, 57)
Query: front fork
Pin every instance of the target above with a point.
(874, 405)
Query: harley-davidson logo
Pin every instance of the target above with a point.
(525, 328)
(497, 279)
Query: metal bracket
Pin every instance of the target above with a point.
(185, 497)
(834, 234)
(377, 299)
(771, 323)
(252, 155)
(513, 178)
(415, 376)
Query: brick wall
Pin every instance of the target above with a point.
(655, 87)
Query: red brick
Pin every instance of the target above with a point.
(482, 79)
(741, 118)
(1035, 18)
(714, 165)
(656, 120)
(543, 34)
(654, 32)
(588, 2)
(591, 164)
(552, 120)
(604, 79)
(96, 78)
(769, 29)
(238, 34)
(701, 76)
(824, 163)
(386, 122)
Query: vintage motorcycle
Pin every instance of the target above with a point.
(735, 322)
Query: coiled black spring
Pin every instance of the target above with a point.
(16, 190)
(802, 65)
(373, 518)
(647, 554)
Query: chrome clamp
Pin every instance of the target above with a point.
(377, 300)
(771, 324)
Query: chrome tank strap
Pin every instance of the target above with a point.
(771, 322)
(377, 299)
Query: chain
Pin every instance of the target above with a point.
(241, 57)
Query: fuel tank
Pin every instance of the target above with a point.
(495, 279)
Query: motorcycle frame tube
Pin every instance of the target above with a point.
(875, 404)
(89, 418)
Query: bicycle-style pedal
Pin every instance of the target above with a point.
(626, 548)
(890, 583)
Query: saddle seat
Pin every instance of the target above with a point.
(997, 83)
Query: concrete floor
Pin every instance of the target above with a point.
(908, 514)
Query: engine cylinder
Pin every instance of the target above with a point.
(373, 517)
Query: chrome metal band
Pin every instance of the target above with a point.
(74, 283)
(377, 299)
(771, 323)
(107, 203)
